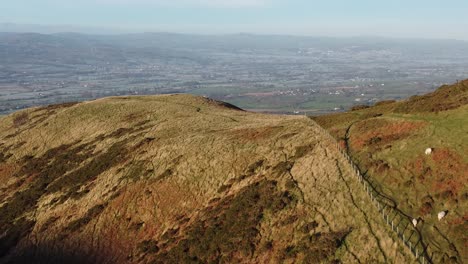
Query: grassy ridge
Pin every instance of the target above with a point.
(179, 177)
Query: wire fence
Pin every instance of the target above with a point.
(400, 223)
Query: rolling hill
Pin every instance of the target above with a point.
(388, 143)
(181, 179)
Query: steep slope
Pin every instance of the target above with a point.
(179, 179)
(388, 142)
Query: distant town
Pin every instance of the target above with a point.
(294, 75)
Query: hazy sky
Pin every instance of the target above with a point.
(393, 18)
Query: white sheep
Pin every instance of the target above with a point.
(441, 215)
(415, 222)
(428, 151)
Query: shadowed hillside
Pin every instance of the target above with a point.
(388, 142)
(179, 179)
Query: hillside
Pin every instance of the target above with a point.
(180, 179)
(388, 142)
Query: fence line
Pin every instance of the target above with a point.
(417, 249)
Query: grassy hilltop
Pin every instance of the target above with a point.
(388, 142)
(179, 178)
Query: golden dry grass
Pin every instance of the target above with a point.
(141, 179)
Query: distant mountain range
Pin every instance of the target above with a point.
(51, 29)
(241, 40)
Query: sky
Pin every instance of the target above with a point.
(391, 18)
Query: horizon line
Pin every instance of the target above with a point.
(122, 32)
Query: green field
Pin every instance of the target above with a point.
(388, 143)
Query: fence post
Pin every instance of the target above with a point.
(373, 197)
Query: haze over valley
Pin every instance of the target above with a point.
(271, 73)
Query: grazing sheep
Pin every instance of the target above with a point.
(428, 151)
(441, 215)
(415, 222)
